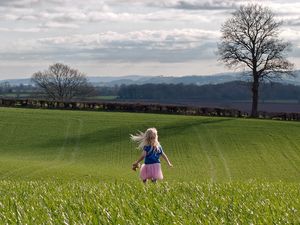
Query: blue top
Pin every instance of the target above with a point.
(152, 155)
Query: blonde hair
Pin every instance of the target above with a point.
(149, 137)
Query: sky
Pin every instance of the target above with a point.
(125, 37)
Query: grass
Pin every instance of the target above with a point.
(132, 203)
(74, 167)
(105, 97)
(75, 144)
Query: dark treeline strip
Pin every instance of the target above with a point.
(230, 91)
(139, 107)
(6, 88)
(237, 90)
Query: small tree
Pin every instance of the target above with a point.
(250, 39)
(5, 87)
(60, 82)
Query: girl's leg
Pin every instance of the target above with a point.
(153, 180)
(144, 181)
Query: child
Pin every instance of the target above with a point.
(152, 150)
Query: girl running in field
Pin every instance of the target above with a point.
(152, 150)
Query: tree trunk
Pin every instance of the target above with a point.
(255, 85)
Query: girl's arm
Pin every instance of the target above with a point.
(167, 160)
(143, 155)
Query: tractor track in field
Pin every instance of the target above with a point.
(66, 137)
(219, 151)
(294, 150)
(212, 169)
(11, 132)
(180, 154)
(77, 142)
(1, 126)
(62, 148)
(10, 172)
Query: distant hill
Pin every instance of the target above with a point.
(139, 79)
(16, 82)
(192, 79)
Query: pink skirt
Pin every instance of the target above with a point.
(151, 171)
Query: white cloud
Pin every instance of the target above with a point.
(196, 4)
(79, 12)
(57, 25)
(134, 31)
(290, 34)
(145, 45)
(94, 15)
(147, 39)
(18, 3)
(284, 8)
(24, 30)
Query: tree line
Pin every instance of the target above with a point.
(16, 90)
(236, 91)
(230, 91)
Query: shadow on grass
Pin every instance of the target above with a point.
(101, 137)
(184, 126)
(106, 136)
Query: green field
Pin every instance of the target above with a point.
(76, 144)
(246, 170)
(103, 97)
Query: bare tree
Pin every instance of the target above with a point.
(60, 82)
(250, 39)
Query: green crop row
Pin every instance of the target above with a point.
(76, 202)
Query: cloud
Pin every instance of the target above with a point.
(183, 4)
(24, 30)
(57, 25)
(293, 22)
(57, 14)
(290, 34)
(197, 5)
(166, 46)
(145, 45)
(148, 39)
(283, 7)
(133, 31)
(19, 3)
(87, 16)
